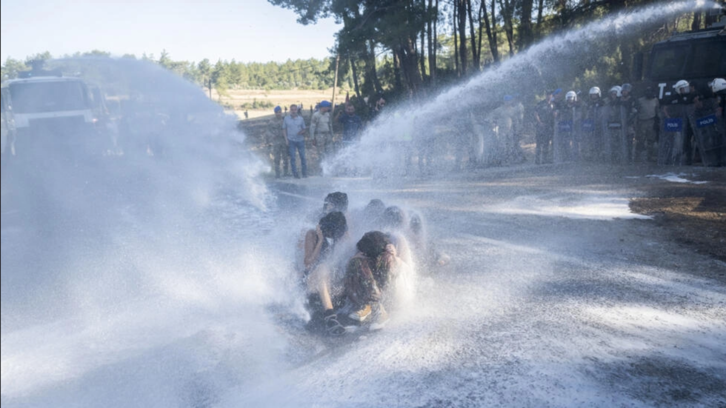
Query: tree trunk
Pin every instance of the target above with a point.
(409, 65)
(474, 55)
(456, 45)
(494, 30)
(397, 70)
(481, 27)
(431, 50)
(462, 35)
(626, 59)
(525, 27)
(335, 79)
(506, 13)
(351, 61)
(422, 55)
(491, 35)
(696, 25)
(371, 66)
(435, 39)
(540, 7)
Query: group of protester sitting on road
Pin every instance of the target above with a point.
(353, 283)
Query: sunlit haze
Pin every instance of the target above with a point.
(247, 31)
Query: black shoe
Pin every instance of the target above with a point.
(332, 325)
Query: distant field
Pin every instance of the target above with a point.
(237, 98)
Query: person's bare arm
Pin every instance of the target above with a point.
(313, 245)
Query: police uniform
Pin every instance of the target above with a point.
(321, 132)
(545, 129)
(278, 145)
(646, 137)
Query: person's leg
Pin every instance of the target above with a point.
(284, 152)
(319, 282)
(276, 158)
(303, 162)
(640, 141)
(291, 153)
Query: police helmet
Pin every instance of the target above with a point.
(626, 88)
(681, 85)
(595, 91)
(617, 90)
(717, 85)
(571, 96)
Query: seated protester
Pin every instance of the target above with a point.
(368, 275)
(319, 259)
(369, 217)
(421, 245)
(336, 201)
(394, 222)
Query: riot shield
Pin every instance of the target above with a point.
(709, 133)
(561, 141)
(590, 133)
(673, 136)
(615, 139)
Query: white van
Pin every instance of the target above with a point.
(53, 110)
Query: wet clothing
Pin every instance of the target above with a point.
(278, 145)
(592, 129)
(544, 131)
(646, 136)
(293, 126)
(352, 124)
(300, 147)
(366, 278)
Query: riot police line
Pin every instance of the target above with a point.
(687, 127)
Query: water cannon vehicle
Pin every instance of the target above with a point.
(695, 56)
(54, 111)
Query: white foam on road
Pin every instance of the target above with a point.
(675, 178)
(592, 207)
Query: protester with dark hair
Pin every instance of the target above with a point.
(394, 218)
(373, 213)
(319, 273)
(352, 123)
(368, 275)
(337, 201)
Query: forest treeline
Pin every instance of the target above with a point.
(406, 47)
(222, 75)
(474, 35)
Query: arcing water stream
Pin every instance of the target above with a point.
(139, 281)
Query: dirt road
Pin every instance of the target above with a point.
(557, 295)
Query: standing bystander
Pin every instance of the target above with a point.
(352, 124)
(294, 126)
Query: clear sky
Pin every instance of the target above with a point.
(246, 30)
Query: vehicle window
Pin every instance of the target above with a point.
(40, 97)
(667, 63)
(707, 60)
